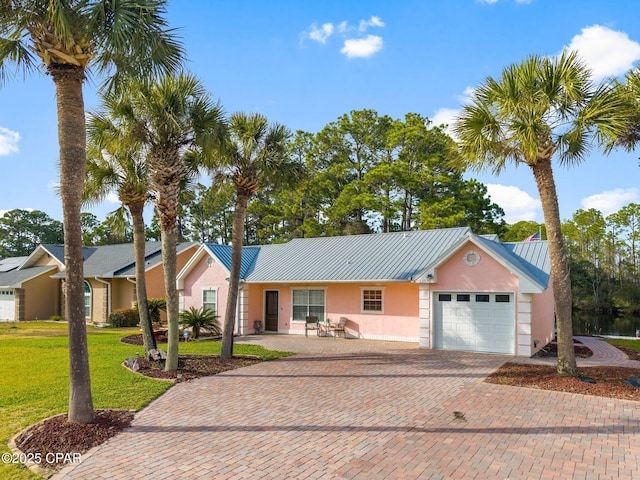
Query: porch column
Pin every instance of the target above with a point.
(425, 315)
(523, 325)
(242, 319)
(20, 305)
(63, 299)
(104, 308)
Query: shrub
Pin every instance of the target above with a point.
(155, 305)
(124, 317)
(55, 318)
(201, 318)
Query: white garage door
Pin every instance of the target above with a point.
(7, 304)
(477, 322)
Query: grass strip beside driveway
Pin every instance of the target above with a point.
(34, 376)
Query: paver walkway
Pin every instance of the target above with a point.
(603, 354)
(394, 411)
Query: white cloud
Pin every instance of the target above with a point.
(343, 27)
(8, 141)
(488, 2)
(112, 197)
(372, 22)
(445, 116)
(611, 201)
(362, 47)
(320, 34)
(607, 52)
(517, 204)
(466, 95)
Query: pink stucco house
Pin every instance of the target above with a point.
(444, 289)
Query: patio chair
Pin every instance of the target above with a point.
(311, 323)
(340, 327)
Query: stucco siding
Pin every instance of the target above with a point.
(155, 277)
(122, 293)
(398, 321)
(42, 298)
(202, 277)
(487, 276)
(543, 318)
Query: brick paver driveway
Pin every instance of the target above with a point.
(397, 412)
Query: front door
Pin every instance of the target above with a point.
(271, 311)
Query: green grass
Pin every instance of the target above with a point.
(628, 343)
(34, 376)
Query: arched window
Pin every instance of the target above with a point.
(87, 299)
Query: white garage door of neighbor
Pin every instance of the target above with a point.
(7, 304)
(476, 322)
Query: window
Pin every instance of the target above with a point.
(210, 299)
(308, 302)
(463, 297)
(444, 297)
(87, 300)
(372, 300)
(502, 299)
(482, 298)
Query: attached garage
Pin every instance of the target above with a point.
(475, 321)
(7, 304)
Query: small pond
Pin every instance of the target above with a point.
(605, 324)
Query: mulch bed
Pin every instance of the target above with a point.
(551, 350)
(609, 380)
(632, 354)
(57, 435)
(194, 366)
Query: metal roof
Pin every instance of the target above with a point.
(223, 254)
(399, 256)
(534, 256)
(395, 256)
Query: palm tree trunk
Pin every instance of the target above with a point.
(234, 277)
(169, 262)
(543, 174)
(72, 140)
(148, 340)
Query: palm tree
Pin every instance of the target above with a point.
(114, 164)
(631, 88)
(537, 110)
(179, 129)
(65, 40)
(256, 153)
(201, 319)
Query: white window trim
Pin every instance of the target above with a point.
(307, 287)
(90, 295)
(371, 312)
(215, 289)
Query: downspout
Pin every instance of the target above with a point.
(135, 293)
(104, 282)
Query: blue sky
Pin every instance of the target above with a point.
(304, 64)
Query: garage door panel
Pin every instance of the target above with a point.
(505, 330)
(7, 305)
(503, 314)
(475, 326)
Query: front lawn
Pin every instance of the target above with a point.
(629, 346)
(34, 377)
